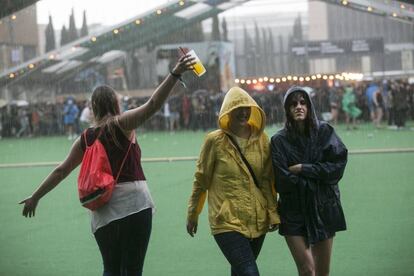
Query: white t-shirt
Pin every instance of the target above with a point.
(127, 198)
(85, 115)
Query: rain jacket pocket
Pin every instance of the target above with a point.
(226, 215)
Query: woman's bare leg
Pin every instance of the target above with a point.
(302, 255)
(322, 256)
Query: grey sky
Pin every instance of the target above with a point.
(112, 12)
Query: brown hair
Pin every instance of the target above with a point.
(105, 108)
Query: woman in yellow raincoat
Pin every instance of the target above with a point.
(241, 209)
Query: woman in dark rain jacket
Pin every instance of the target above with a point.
(308, 160)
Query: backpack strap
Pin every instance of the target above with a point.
(126, 154)
(86, 140)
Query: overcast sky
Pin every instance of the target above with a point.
(113, 12)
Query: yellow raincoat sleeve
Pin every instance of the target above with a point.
(202, 178)
(267, 183)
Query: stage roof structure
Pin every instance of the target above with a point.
(398, 10)
(142, 30)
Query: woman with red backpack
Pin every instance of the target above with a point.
(122, 226)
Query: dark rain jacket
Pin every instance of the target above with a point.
(313, 193)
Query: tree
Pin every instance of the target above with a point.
(225, 31)
(281, 55)
(50, 36)
(63, 36)
(266, 54)
(297, 30)
(249, 53)
(84, 30)
(258, 47)
(215, 33)
(271, 51)
(72, 32)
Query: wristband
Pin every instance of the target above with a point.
(178, 76)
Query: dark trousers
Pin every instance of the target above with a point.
(123, 244)
(240, 252)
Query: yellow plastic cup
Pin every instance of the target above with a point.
(198, 67)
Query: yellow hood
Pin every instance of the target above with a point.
(237, 97)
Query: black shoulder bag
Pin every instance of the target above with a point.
(244, 160)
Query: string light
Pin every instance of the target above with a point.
(340, 76)
(181, 3)
(138, 21)
(13, 17)
(116, 31)
(31, 65)
(93, 39)
(11, 75)
(159, 12)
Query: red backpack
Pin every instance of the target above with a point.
(96, 181)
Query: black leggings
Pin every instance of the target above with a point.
(123, 244)
(240, 252)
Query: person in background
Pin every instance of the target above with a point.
(70, 115)
(334, 104)
(24, 123)
(352, 112)
(378, 101)
(241, 211)
(86, 116)
(121, 227)
(308, 160)
(374, 100)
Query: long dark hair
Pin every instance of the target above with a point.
(105, 107)
(291, 125)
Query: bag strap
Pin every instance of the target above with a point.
(244, 160)
(126, 154)
(86, 140)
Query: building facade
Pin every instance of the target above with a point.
(18, 38)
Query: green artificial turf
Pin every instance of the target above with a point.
(377, 195)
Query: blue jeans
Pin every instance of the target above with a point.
(240, 252)
(123, 244)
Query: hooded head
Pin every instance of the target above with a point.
(235, 98)
(311, 121)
